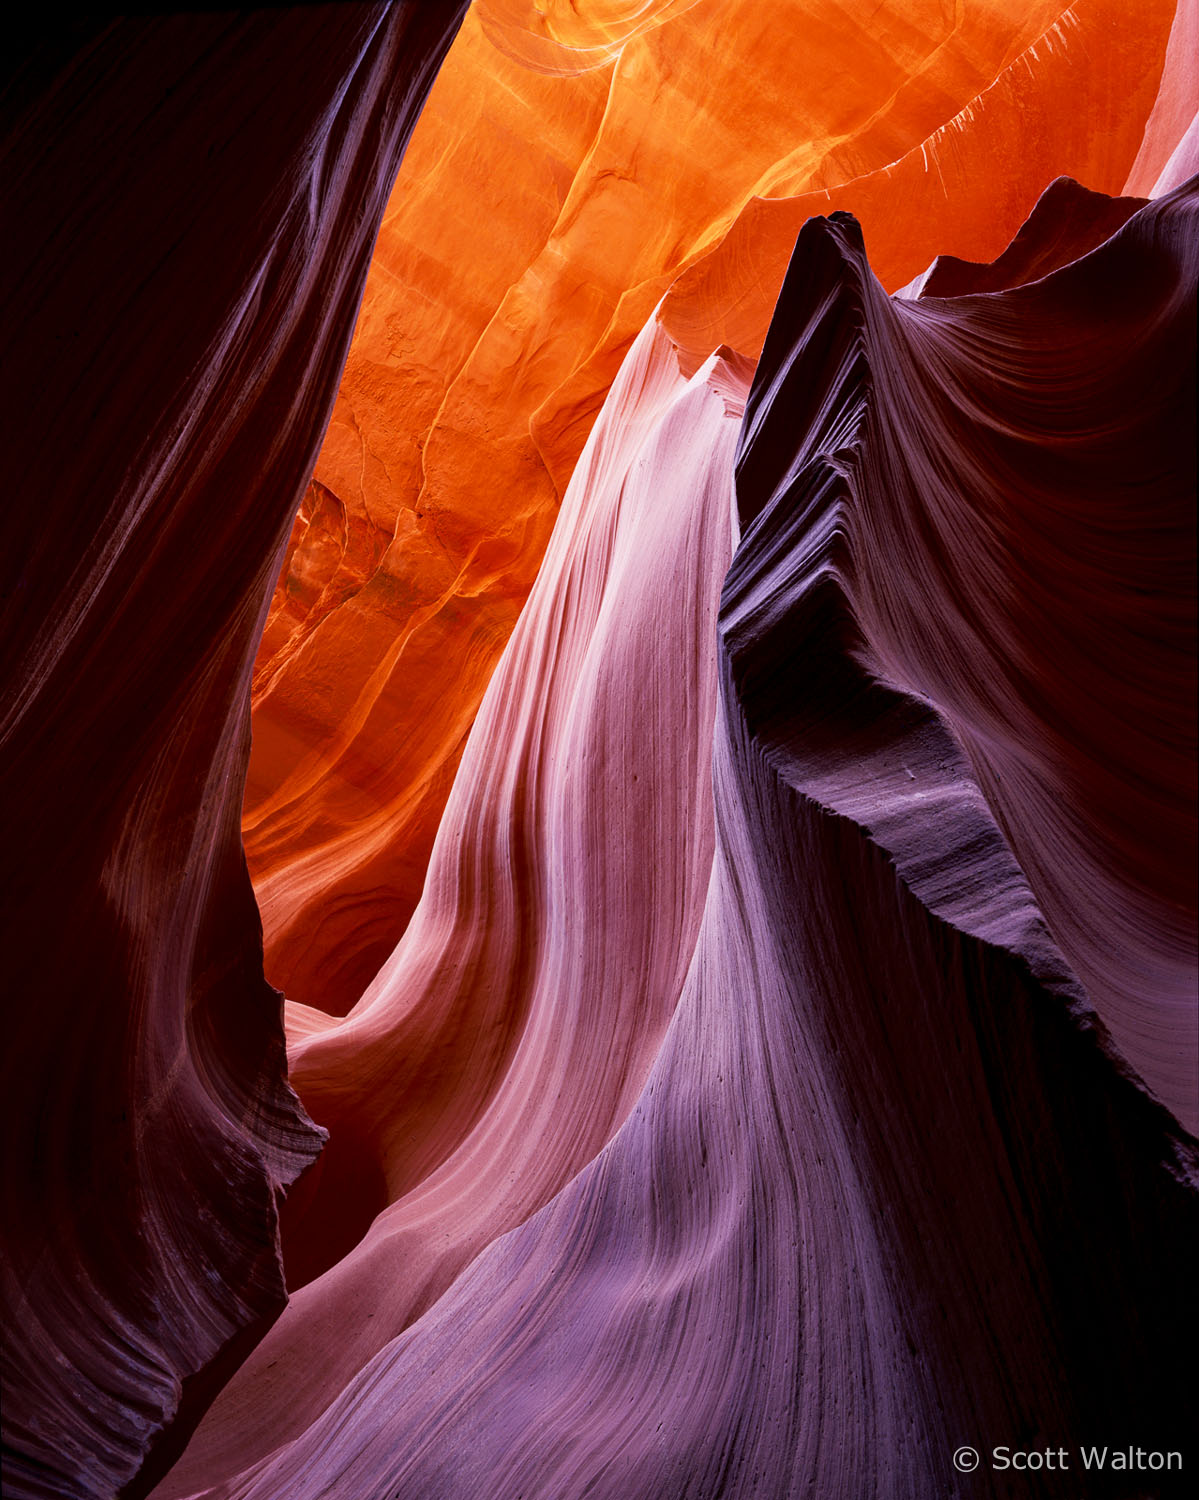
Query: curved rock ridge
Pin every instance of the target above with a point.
(434, 500)
(890, 1187)
(510, 1034)
(191, 202)
(1025, 559)
(1067, 221)
(1057, 553)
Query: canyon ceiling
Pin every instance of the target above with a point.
(597, 750)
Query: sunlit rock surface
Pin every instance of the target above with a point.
(965, 189)
(574, 164)
(190, 208)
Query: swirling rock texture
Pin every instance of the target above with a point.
(548, 163)
(786, 1073)
(891, 1184)
(191, 204)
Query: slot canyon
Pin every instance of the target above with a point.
(598, 751)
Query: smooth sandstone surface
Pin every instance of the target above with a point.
(1084, 615)
(964, 189)
(543, 212)
(1169, 152)
(191, 204)
(510, 1034)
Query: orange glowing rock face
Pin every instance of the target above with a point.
(379, 619)
(963, 190)
(569, 171)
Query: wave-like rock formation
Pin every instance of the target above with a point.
(1081, 624)
(469, 392)
(883, 1178)
(511, 1033)
(191, 203)
(787, 1075)
(1067, 222)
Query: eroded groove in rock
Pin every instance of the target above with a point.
(460, 420)
(1061, 538)
(780, 1080)
(1027, 551)
(191, 202)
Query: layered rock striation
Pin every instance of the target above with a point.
(511, 1033)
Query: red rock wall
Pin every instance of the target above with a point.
(511, 1032)
(191, 206)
